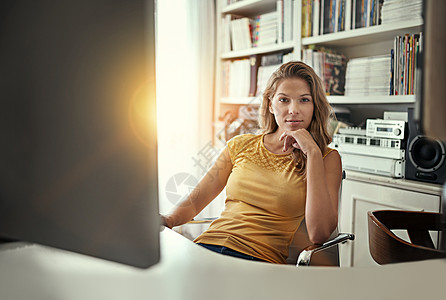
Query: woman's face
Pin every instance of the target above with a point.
(292, 105)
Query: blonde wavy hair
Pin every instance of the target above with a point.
(322, 110)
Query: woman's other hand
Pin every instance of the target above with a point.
(166, 221)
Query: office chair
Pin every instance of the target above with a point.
(302, 252)
(386, 248)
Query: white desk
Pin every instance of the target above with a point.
(187, 271)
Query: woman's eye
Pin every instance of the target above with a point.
(305, 100)
(283, 99)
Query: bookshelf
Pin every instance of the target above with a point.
(373, 40)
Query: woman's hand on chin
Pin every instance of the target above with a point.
(299, 139)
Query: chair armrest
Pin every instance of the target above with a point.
(305, 256)
(202, 220)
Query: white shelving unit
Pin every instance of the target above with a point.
(362, 42)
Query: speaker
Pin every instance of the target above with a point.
(425, 156)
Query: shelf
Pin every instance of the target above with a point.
(250, 8)
(367, 35)
(242, 100)
(405, 99)
(259, 50)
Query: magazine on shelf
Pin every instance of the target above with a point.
(334, 73)
(329, 66)
(406, 50)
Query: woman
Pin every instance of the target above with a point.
(275, 179)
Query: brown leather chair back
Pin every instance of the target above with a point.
(385, 247)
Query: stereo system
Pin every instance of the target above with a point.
(371, 150)
(393, 148)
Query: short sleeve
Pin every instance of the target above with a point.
(237, 144)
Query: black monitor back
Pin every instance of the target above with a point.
(78, 156)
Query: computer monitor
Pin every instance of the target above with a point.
(78, 155)
(430, 106)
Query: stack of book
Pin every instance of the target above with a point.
(401, 10)
(241, 33)
(368, 76)
(404, 63)
(236, 78)
(329, 66)
(266, 29)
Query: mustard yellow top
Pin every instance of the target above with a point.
(265, 202)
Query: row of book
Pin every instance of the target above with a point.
(248, 77)
(269, 28)
(328, 16)
(329, 66)
(325, 16)
(405, 56)
(366, 13)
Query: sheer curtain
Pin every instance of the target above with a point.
(185, 84)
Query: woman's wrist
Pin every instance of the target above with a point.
(314, 153)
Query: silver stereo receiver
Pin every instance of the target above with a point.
(371, 147)
(392, 129)
(368, 141)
